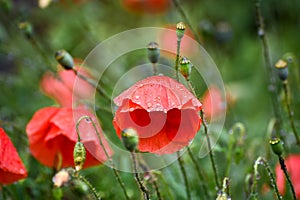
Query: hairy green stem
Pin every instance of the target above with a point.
(106, 153)
(263, 162)
(287, 176)
(183, 172)
(143, 188)
(83, 179)
(273, 88)
(290, 111)
(177, 59)
(185, 18)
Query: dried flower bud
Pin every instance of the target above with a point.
(27, 29)
(153, 52)
(61, 178)
(282, 69)
(65, 59)
(79, 155)
(130, 139)
(185, 67)
(276, 146)
(180, 29)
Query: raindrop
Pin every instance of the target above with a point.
(173, 104)
(137, 97)
(131, 109)
(165, 110)
(158, 105)
(149, 104)
(158, 97)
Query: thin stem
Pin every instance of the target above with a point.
(83, 179)
(290, 111)
(156, 187)
(183, 172)
(284, 169)
(154, 69)
(200, 175)
(143, 189)
(106, 153)
(272, 78)
(177, 59)
(92, 83)
(185, 18)
(262, 161)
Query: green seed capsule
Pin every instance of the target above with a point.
(180, 29)
(79, 155)
(65, 59)
(276, 146)
(153, 52)
(185, 67)
(130, 139)
(282, 69)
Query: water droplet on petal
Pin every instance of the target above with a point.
(165, 110)
(149, 104)
(131, 109)
(137, 97)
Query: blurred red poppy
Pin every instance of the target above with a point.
(62, 88)
(52, 137)
(212, 103)
(11, 166)
(146, 6)
(162, 111)
(293, 166)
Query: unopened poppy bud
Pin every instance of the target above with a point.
(185, 67)
(79, 155)
(153, 52)
(180, 29)
(65, 59)
(276, 146)
(130, 139)
(27, 29)
(282, 69)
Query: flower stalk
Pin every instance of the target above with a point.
(183, 172)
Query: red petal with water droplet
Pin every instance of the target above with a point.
(163, 112)
(11, 166)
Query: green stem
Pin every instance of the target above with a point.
(183, 172)
(177, 59)
(83, 179)
(92, 83)
(262, 161)
(154, 69)
(200, 175)
(170, 195)
(106, 153)
(185, 18)
(143, 188)
(284, 169)
(290, 111)
(273, 89)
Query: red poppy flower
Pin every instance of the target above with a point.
(212, 103)
(11, 166)
(61, 88)
(146, 6)
(293, 166)
(162, 111)
(52, 137)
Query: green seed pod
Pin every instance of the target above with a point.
(276, 146)
(130, 139)
(79, 155)
(153, 52)
(27, 29)
(282, 69)
(185, 67)
(180, 29)
(65, 59)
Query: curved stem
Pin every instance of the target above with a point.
(290, 111)
(83, 179)
(106, 153)
(143, 189)
(284, 169)
(187, 188)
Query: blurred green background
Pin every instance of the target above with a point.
(229, 34)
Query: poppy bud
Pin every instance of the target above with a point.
(276, 146)
(180, 29)
(153, 52)
(282, 69)
(65, 59)
(130, 139)
(79, 155)
(185, 67)
(27, 29)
